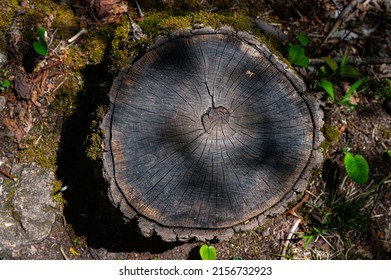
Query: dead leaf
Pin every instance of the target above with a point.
(13, 127)
(22, 88)
(74, 252)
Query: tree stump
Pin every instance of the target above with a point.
(206, 133)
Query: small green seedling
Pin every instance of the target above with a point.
(310, 236)
(4, 84)
(389, 153)
(296, 53)
(342, 70)
(208, 252)
(356, 167)
(40, 46)
(329, 88)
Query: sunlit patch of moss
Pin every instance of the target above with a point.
(174, 23)
(164, 22)
(123, 46)
(96, 45)
(41, 149)
(94, 140)
(75, 59)
(331, 135)
(330, 132)
(64, 21)
(7, 11)
(56, 192)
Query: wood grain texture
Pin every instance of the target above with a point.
(207, 130)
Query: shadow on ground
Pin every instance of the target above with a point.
(87, 207)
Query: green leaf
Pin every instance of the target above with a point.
(331, 63)
(356, 167)
(309, 239)
(303, 61)
(349, 71)
(355, 86)
(297, 56)
(40, 47)
(389, 153)
(329, 88)
(303, 39)
(41, 33)
(208, 252)
(5, 83)
(344, 59)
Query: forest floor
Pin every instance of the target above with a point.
(49, 112)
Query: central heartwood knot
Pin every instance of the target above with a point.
(215, 119)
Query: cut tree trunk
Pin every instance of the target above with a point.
(206, 133)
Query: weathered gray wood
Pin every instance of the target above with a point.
(206, 131)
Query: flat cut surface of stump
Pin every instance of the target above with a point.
(208, 130)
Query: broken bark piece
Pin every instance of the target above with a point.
(206, 132)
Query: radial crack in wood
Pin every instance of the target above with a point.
(208, 132)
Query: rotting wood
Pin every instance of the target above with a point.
(206, 132)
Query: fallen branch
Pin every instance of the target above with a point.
(356, 61)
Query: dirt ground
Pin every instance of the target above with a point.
(49, 116)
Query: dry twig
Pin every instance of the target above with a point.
(342, 16)
(6, 174)
(289, 237)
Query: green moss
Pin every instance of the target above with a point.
(96, 45)
(64, 21)
(7, 12)
(56, 192)
(165, 22)
(42, 150)
(94, 142)
(174, 23)
(123, 46)
(331, 135)
(330, 132)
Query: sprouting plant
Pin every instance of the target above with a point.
(343, 70)
(40, 46)
(4, 84)
(309, 236)
(389, 153)
(208, 252)
(356, 167)
(296, 53)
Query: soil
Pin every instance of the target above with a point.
(50, 115)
